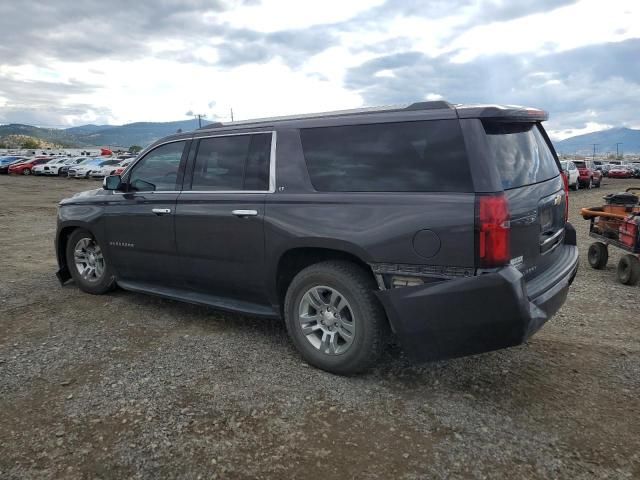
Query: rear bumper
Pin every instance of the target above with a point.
(478, 314)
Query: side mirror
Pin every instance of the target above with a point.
(112, 182)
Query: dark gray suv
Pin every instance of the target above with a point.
(442, 225)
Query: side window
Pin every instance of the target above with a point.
(158, 170)
(237, 162)
(423, 156)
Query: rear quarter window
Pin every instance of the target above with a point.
(521, 153)
(422, 156)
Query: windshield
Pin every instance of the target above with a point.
(521, 152)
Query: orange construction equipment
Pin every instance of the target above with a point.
(616, 223)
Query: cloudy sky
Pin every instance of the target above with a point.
(71, 62)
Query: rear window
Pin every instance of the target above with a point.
(521, 152)
(425, 156)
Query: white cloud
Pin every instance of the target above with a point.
(584, 23)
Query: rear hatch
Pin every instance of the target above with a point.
(583, 170)
(534, 191)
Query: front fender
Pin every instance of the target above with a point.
(70, 218)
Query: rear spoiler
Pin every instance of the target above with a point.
(504, 113)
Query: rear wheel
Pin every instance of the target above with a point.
(26, 171)
(87, 263)
(334, 318)
(598, 255)
(629, 270)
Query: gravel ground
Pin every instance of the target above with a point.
(127, 385)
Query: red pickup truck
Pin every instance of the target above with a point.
(587, 176)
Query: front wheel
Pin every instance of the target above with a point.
(629, 270)
(87, 263)
(334, 318)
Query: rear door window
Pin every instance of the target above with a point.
(423, 156)
(232, 163)
(521, 152)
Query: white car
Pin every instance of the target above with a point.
(571, 171)
(84, 169)
(108, 168)
(62, 169)
(52, 167)
(40, 170)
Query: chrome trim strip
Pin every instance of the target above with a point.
(272, 162)
(552, 238)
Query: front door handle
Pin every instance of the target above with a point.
(161, 211)
(245, 213)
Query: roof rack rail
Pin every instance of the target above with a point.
(431, 105)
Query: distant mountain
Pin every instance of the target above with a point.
(144, 133)
(140, 133)
(606, 140)
(86, 129)
(48, 135)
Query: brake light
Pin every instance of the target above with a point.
(493, 230)
(565, 180)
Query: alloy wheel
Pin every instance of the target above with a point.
(327, 320)
(88, 259)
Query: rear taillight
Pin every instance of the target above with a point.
(565, 180)
(493, 230)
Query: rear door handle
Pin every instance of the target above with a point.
(161, 211)
(245, 213)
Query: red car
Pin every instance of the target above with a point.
(587, 176)
(24, 168)
(620, 172)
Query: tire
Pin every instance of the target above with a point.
(339, 281)
(629, 270)
(26, 171)
(101, 283)
(598, 255)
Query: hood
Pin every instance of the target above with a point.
(87, 196)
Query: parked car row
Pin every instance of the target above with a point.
(620, 171)
(584, 174)
(580, 174)
(73, 167)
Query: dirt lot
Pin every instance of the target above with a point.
(128, 385)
